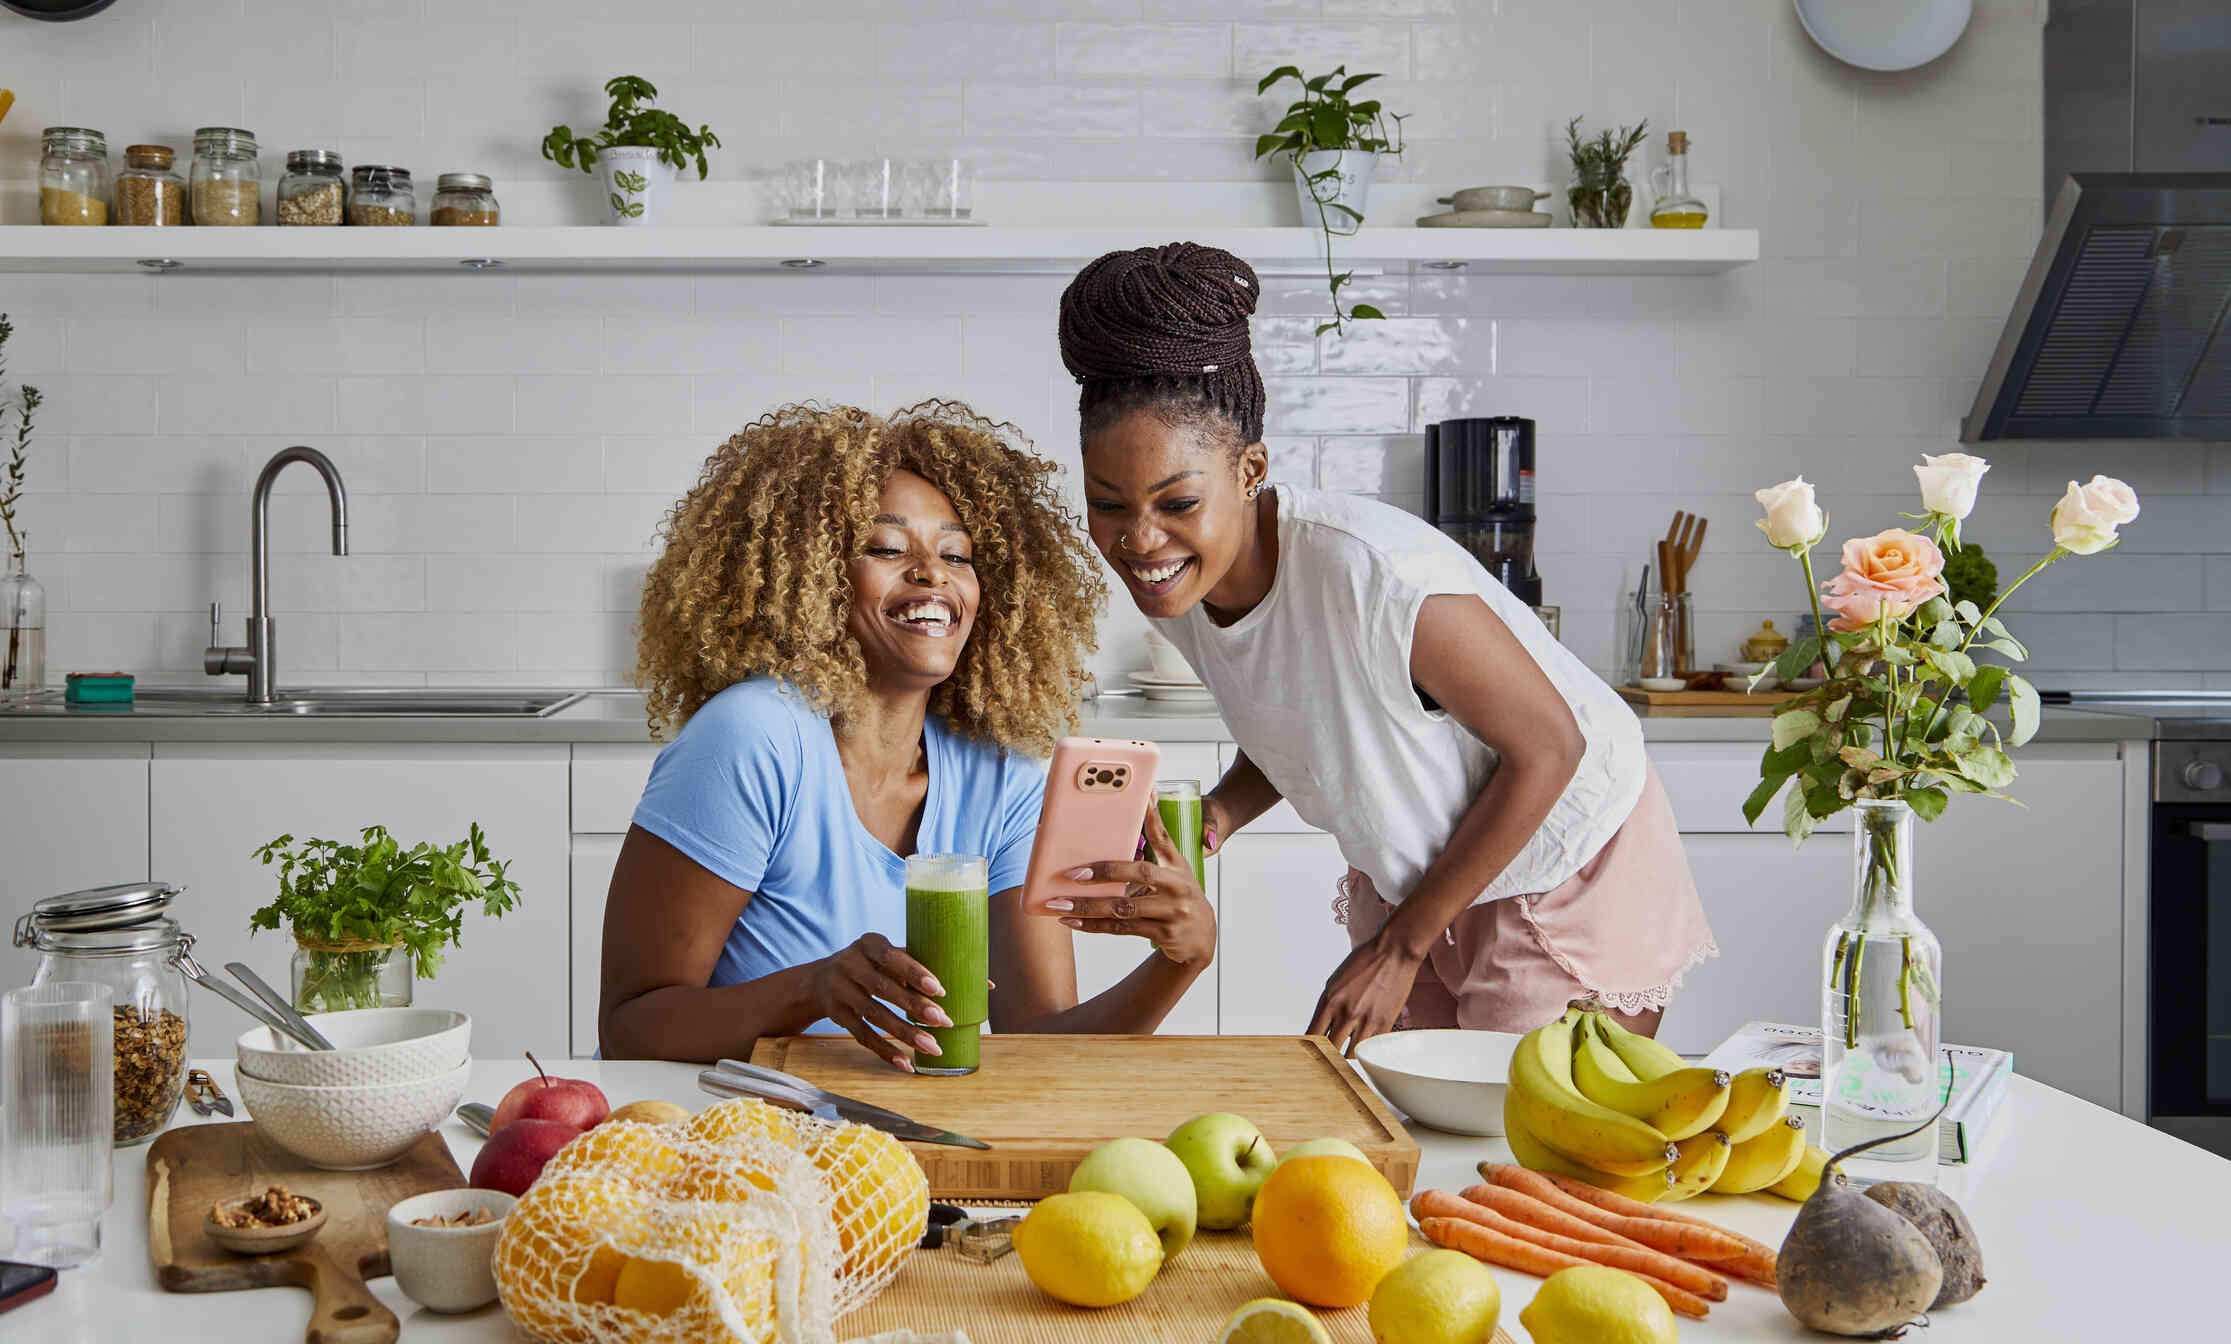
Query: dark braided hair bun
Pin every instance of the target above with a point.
(1164, 328)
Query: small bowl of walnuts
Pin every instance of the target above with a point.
(276, 1220)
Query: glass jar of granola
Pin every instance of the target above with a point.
(311, 192)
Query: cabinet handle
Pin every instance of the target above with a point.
(2212, 832)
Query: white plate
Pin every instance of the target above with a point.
(1485, 219)
(1189, 695)
(1449, 1080)
(1885, 34)
(1167, 683)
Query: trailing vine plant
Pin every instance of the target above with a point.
(1324, 119)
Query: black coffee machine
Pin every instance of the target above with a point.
(1479, 489)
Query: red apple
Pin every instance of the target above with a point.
(513, 1155)
(572, 1101)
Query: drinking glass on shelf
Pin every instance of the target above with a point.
(948, 187)
(58, 1097)
(1668, 642)
(874, 188)
(812, 188)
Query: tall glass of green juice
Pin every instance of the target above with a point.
(1180, 802)
(948, 930)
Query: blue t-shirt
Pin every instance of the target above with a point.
(752, 790)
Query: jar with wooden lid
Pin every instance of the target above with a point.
(382, 196)
(228, 177)
(311, 192)
(147, 191)
(464, 199)
(73, 176)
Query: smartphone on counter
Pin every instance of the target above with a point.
(19, 1283)
(1097, 793)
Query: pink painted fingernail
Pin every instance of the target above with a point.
(1210, 834)
(906, 1065)
(927, 1046)
(1079, 874)
(1074, 923)
(931, 987)
(1060, 903)
(936, 1017)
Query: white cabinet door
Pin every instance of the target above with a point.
(1277, 941)
(71, 816)
(211, 806)
(1770, 908)
(594, 857)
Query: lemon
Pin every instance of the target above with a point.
(1270, 1320)
(1089, 1249)
(1440, 1297)
(1593, 1304)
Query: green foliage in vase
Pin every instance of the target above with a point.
(630, 123)
(19, 451)
(1325, 118)
(1600, 194)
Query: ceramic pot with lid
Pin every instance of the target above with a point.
(121, 936)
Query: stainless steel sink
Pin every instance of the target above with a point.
(330, 703)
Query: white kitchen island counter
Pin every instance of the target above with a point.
(2093, 1228)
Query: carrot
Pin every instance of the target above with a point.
(1527, 1209)
(1483, 1243)
(1754, 1261)
(1693, 1240)
(1635, 1259)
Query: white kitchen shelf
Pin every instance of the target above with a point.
(991, 250)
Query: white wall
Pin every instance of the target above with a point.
(510, 442)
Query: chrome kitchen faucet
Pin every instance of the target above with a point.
(258, 658)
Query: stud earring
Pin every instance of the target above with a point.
(1255, 489)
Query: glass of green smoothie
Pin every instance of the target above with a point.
(948, 930)
(1180, 802)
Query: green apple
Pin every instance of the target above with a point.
(1151, 1177)
(1325, 1148)
(1229, 1159)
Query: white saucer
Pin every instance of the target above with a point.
(1198, 695)
(1167, 683)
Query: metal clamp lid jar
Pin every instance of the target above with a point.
(73, 176)
(466, 199)
(380, 195)
(312, 191)
(119, 936)
(228, 178)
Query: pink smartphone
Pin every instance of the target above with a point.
(1097, 794)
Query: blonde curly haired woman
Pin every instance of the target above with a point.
(866, 631)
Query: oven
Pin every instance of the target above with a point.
(2189, 942)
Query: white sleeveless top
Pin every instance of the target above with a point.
(1315, 686)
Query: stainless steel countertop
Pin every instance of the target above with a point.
(616, 716)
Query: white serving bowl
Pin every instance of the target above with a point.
(372, 1045)
(1746, 671)
(351, 1128)
(446, 1268)
(1448, 1080)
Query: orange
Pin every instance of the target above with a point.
(640, 1155)
(882, 1199)
(1328, 1228)
(743, 1118)
(555, 1252)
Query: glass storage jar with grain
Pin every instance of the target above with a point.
(228, 178)
(311, 192)
(73, 176)
(147, 191)
(381, 196)
(120, 937)
(464, 199)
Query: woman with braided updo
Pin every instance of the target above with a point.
(1509, 846)
(864, 630)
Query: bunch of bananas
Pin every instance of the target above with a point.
(1591, 1100)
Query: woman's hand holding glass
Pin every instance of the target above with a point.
(1161, 900)
(857, 987)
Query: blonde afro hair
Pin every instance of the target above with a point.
(754, 577)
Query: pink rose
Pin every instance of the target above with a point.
(1886, 575)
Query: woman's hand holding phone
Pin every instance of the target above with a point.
(1161, 901)
(854, 988)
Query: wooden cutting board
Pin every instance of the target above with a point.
(1704, 704)
(996, 1303)
(194, 1166)
(1044, 1102)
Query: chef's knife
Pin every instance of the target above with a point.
(829, 1106)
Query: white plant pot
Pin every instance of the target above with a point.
(635, 183)
(1350, 186)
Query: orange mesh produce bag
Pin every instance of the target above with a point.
(749, 1223)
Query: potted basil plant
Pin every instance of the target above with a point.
(369, 919)
(640, 149)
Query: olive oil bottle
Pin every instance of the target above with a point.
(1675, 207)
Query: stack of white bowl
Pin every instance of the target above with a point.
(392, 1076)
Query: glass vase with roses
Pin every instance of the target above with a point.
(1899, 726)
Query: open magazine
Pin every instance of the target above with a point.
(1979, 1079)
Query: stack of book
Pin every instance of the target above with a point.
(1978, 1079)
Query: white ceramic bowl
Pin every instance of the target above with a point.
(351, 1128)
(1493, 198)
(1746, 671)
(1448, 1080)
(1168, 664)
(374, 1045)
(446, 1268)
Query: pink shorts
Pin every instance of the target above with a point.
(1623, 930)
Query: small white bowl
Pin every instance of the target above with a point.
(1664, 684)
(373, 1045)
(351, 1128)
(1445, 1079)
(1167, 663)
(446, 1268)
(1746, 671)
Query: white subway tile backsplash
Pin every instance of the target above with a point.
(430, 642)
(506, 583)
(2185, 642)
(1118, 50)
(872, 345)
(431, 524)
(85, 522)
(1337, 405)
(607, 523)
(138, 344)
(124, 465)
(1083, 111)
(1259, 48)
(1414, 345)
(601, 642)
(317, 581)
(430, 404)
(336, 346)
(515, 465)
(97, 404)
(684, 345)
(458, 343)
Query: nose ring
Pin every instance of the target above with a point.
(1123, 541)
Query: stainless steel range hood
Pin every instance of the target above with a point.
(2120, 329)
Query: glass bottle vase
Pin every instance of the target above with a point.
(1881, 1001)
(23, 627)
(1600, 201)
(329, 977)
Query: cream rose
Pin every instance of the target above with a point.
(1949, 481)
(1792, 518)
(2085, 520)
(1885, 576)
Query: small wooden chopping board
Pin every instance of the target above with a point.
(194, 1166)
(1704, 704)
(1043, 1101)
